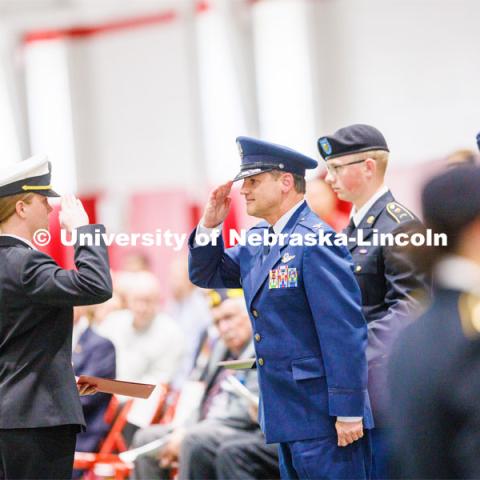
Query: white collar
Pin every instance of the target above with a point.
(78, 330)
(458, 273)
(358, 216)
(283, 220)
(24, 240)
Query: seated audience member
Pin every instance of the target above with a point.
(435, 366)
(222, 425)
(136, 261)
(190, 311)
(92, 355)
(148, 343)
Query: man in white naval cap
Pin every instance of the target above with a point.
(40, 410)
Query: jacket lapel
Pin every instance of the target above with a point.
(367, 224)
(261, 270)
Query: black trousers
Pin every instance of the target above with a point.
(37, 453)
(218, 452)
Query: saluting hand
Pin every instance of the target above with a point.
(72, 213)
(218, 206)
(348, 432)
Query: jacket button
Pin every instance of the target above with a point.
(358, 268)
(255, 313)
(261, 361)
(257, 337)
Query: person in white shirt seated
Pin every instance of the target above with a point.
(149, 344)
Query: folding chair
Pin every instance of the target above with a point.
(106, 462)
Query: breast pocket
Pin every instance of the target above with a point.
(365, 265)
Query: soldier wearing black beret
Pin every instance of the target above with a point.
(40, 410)
(435, 366)
(356, 158)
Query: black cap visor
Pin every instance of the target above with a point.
(251, 172)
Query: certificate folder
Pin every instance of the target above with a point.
(242, 364)
(118, 387)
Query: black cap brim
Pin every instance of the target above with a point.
(250, 173)
(47, 193)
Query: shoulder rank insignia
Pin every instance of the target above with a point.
(287, 257)
(469, 311)
(399, 213)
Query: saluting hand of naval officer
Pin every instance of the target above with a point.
(72, 214)
(218, 206)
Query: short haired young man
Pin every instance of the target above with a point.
(356, 158)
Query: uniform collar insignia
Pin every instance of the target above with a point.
(287, 257)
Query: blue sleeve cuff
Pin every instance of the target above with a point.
(346, 403)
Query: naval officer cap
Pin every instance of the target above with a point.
(28, 176)
(451, 200)
(258, 156)
(352, 139)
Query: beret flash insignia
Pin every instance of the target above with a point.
(326, 147)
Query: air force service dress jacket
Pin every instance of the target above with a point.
(37, 383)
(310, 337)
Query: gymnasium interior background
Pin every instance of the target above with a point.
(138, 103)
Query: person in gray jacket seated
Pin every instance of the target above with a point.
(224, 423)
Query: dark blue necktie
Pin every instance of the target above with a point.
(266, 247)
(350, 227)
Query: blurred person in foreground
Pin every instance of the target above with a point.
(92, 355)
(305, 308)
(148, 343)
(219, 439)
(462, 158)
(435, 367)
(189, 309)
(40, 410)
(356, 159)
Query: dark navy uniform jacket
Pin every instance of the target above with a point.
(435, 384)
(37, 384)
(310, 338)
(390, 286)
(93, 355)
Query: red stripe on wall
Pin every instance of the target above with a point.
(101, 28)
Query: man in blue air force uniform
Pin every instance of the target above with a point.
(304, 304)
